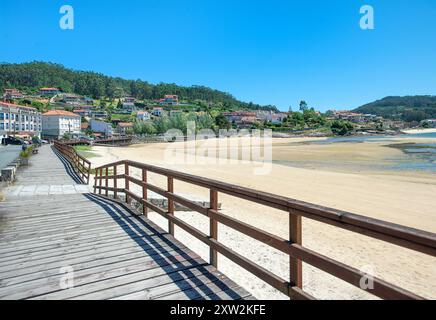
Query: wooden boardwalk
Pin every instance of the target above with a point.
(59, 241)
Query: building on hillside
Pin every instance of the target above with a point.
(278, 118)
(271, 116)
(143, 116)
(354, 117)
(237, 116)
(128, 103)
(57, 123)
(169, 100)
(19, 121)
(49, 91)
(101, 127)
(157, 111)
(82, 112)
(11, 94)
(72, 99)
(123, 127)
(99, 114)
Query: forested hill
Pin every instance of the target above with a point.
(409, 108)
(29, 77)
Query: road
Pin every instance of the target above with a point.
(8, 154)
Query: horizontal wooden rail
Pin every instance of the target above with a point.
(81, 165)
(414, 239)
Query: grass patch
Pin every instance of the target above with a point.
(85, 151)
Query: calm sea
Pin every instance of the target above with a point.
(415, 157)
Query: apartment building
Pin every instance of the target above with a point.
(19, 120)
(56, 123)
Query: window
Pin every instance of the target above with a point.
(2, 116)
(2, 126)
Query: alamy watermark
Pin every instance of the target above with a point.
(228, 147)
(66, 22)
(67, 279)
(367, 20)
(367, 278)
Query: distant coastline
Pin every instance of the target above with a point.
(415, 131)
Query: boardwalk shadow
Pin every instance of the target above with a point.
(68, 167)
(150, 240)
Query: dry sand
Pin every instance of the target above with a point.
(407, 199)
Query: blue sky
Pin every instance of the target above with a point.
(268, 52)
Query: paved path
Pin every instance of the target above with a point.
(8, 154)
(58, 241)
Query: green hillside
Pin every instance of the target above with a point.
(29, 77)
(409, 108)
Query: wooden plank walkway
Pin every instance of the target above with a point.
(50, 223)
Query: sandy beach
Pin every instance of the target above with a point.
(334, 175)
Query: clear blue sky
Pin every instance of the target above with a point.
(268, 52)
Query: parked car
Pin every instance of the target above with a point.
(13, 141)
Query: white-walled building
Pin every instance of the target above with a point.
(143, 116)
(19, 120)
(56, 123)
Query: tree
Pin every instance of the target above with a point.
(303, 105)
(222, 122)
(29, 77)
(341, 128)
(425, 125)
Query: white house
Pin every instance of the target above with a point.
(143, 116)
(101, 127)
(157, 111)
(19, 120)
(56, 123)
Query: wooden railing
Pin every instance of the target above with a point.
(417, 240)
(81, 165)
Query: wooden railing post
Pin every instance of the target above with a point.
(107, 181)
(213, 226)
(126, 181)
(88, 173)
(144, 192)
(170, 205)
(295, 236)
(100, 181)
(95, 181)
(115, 182)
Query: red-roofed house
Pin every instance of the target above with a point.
(12, 94)
(56, 123)
(169, 100)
